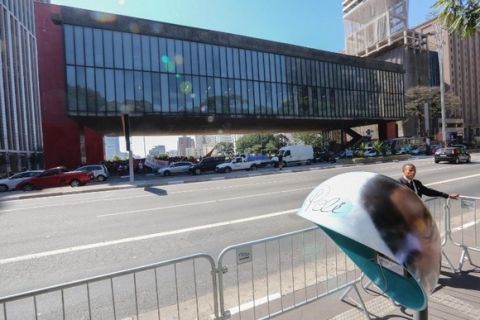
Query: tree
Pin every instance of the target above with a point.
(416, 97)
(461, 16)
(225, 149)
(314, 139)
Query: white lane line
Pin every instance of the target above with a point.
(141, 238)
(454, 179)
(256, 303)
(202, 202)
(465, 226)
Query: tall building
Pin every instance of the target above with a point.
(157, 150)
(112, 147)
(183, 144)
(461, 61)
(21, 143)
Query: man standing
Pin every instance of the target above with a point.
(409, 170)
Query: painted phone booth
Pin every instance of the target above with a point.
(384, 228)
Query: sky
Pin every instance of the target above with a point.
(311, 23)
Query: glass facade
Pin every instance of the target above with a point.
(21, 144)
(111, 72)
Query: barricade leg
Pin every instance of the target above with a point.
(360, 305)
(450, 264)
(465, 255)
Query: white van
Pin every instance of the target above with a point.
(299, 154)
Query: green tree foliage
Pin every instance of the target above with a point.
(460, 16)
(225, 149)
(416, 97)
(314, 139)
(261, 143)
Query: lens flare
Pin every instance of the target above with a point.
(103, 17)
(165, 59)
(210, 119)
(171, 66)
(186, 87)
(178, 59)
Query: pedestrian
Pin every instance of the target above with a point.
(409, 170)
(280, 161)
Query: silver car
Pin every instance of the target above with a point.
(12, 182)
(175, 167)
(99, 171)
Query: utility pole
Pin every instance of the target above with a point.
(440, 42)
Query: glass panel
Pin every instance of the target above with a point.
(129, 92)
(146, 65)
(248, 65)
(203, 95)
(91, 103)
(273, 77)
(187, 58)
(108, 48)
(238, 97)
(81, 90)
(196, 93)
(137, 51)
(172, 86)
(211, 95)
(98, 44)
(110, 92)
(255, 64)
(139, 98)
(258, 103)
(120, 91)
(171, 56)
(147, 90)
(236, 63)
(225, 100)
(79, 52)
(164, 60)
(262, 63)
(127, 50)
(194, 56)
(165, 96)
(71, 89)
(181, 85)
(266, 63)
(223, 62)
(186, 88)
(100, 85)
(243, 68)
(230, 63)
(88, 33)
(202, 63)
(268, 97)
(154, 54)
(216, 61)
(218, 95)
(156, 90)
(69, 44)
(179, 56)
(118, 50)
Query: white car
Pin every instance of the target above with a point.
(176, 167)
(12, 182)
(99, 171)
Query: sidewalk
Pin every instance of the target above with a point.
(457, 297)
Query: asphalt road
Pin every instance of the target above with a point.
(46, 241)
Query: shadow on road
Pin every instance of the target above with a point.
(469, 280)
(155, 190)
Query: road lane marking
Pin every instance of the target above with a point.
(250, 305)
(454, 179)
(201, 202)
(141, 238)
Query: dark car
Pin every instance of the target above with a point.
(207, 164)
(452, 154)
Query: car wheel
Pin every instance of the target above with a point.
(27, 187)
(198, 171)
(468, 160)
(166, 173)
(457, 160)
(228, 170)
(253, 168)
(3, 188)
(436, 161)
(101, 178)
(74, 183)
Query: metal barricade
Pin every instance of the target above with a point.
(183, 288)
(438, 208)
(263, 278)
(463, 215)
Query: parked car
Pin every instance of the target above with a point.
(55, 177)
(453, 155)
(298, 154)
(175, 167)
(369, 152)
(239, 163)
(207, 164)
(99, 171)
(11, 183)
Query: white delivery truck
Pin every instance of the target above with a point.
(298, 154)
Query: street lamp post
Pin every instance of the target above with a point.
(440, 42)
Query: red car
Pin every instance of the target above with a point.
(55, 177)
